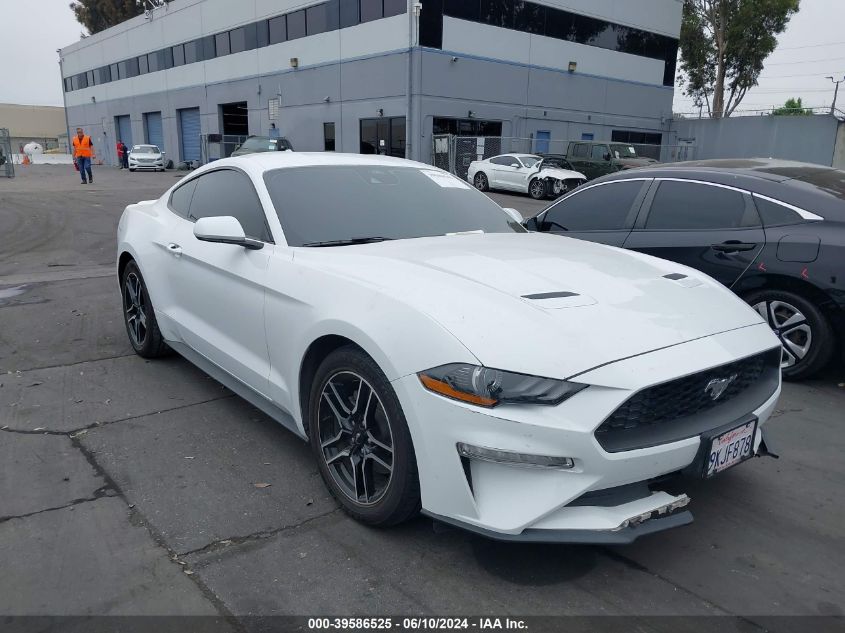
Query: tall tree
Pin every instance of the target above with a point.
(97, 15)
(723, 46)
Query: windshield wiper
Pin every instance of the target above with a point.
(349, 242)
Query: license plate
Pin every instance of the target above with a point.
(730, 448)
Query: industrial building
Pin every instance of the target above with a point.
(44, 125)
(376, 75)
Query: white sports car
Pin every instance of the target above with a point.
(369, 305)
(524, 173)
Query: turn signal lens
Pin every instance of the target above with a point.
(514, 459)
(488, 387)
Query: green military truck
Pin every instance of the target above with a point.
(597, 158)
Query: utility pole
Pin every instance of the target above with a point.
(835, 93)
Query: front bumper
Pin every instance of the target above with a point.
(509, 502)
(159, 164)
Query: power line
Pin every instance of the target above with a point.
(804, 75)
(793, 48)
(806, 61)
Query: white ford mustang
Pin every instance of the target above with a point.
(525, 173)
(437, 356)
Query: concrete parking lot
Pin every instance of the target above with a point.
(129, 486)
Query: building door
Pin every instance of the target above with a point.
(541, 143)
(189, 133)
(154, 129)
(123, 125)
(383, 136)
(234, 124)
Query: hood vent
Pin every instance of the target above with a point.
(550, 295)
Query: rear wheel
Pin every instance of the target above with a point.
(139, 316)
(804, 332)
(480, 181)
(537, 189)
(360, 438)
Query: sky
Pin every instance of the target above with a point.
(812, 47)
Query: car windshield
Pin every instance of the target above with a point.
(350, 202)
(530, 161)
(260, 144)
(145, 149)
(623, 151)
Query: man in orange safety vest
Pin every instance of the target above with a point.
(83, 152)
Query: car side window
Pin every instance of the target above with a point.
(598, 208)
(580, 150)
(774, 214)
(694, 206)
(503, 160)
(599, 152)
(229, 192)
(180, 199)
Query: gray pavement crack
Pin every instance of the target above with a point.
(99, 425)
(79, 362)
(255, 536)
(100, 493)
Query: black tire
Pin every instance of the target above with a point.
(480, 181)
(537, 189)
(810, 332)
(347, 435)
(143, 333)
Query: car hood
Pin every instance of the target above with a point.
(541, 304)
(561, 174)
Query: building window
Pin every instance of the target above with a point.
(466, 127)
(383, 136)
(209, 48)
(143, 65)
(178, 55)
(221, 41)
(328, 137)
(193, 52)
(529, 17)
(68, 84)
(278, 29)
(167, 53)
(394, 7)
(242, 39)
(296, 25)
(89, 77)
(371, 10)
(262, 34)
(114, 70)
(322, 17)
(154, 61)
(348, 13)
(630, 136)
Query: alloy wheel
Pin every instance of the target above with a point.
(480, 182)
(791, 327)
(355, 436)
(135, 308)
(538, 188)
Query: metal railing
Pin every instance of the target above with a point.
(7, 167)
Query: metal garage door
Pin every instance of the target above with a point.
(124, 129)
(189, 126)
(155, 132)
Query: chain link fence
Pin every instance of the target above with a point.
(7, 167)
(455, 153)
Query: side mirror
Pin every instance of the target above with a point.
(224, 230)
(531, 224)
(607, 156)
(515, 215)
(515, 165)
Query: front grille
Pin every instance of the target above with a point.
(686, 406)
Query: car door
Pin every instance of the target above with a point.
(708, 226)
(504, 171)
(602, 213)
(579, 158)
(601, 162)
(218, 289)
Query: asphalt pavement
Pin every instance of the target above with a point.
(129, 486)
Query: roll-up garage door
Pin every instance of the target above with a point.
(189, 124)
(155, 132)
(124, 130)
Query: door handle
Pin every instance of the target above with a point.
(733, 247)
(174, 249)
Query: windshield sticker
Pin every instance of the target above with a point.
(445, 180)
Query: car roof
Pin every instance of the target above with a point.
(145, 145)
(817, 188)
(266, 161)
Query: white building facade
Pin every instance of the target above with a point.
(376, 75)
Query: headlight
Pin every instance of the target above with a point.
(487, 387)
